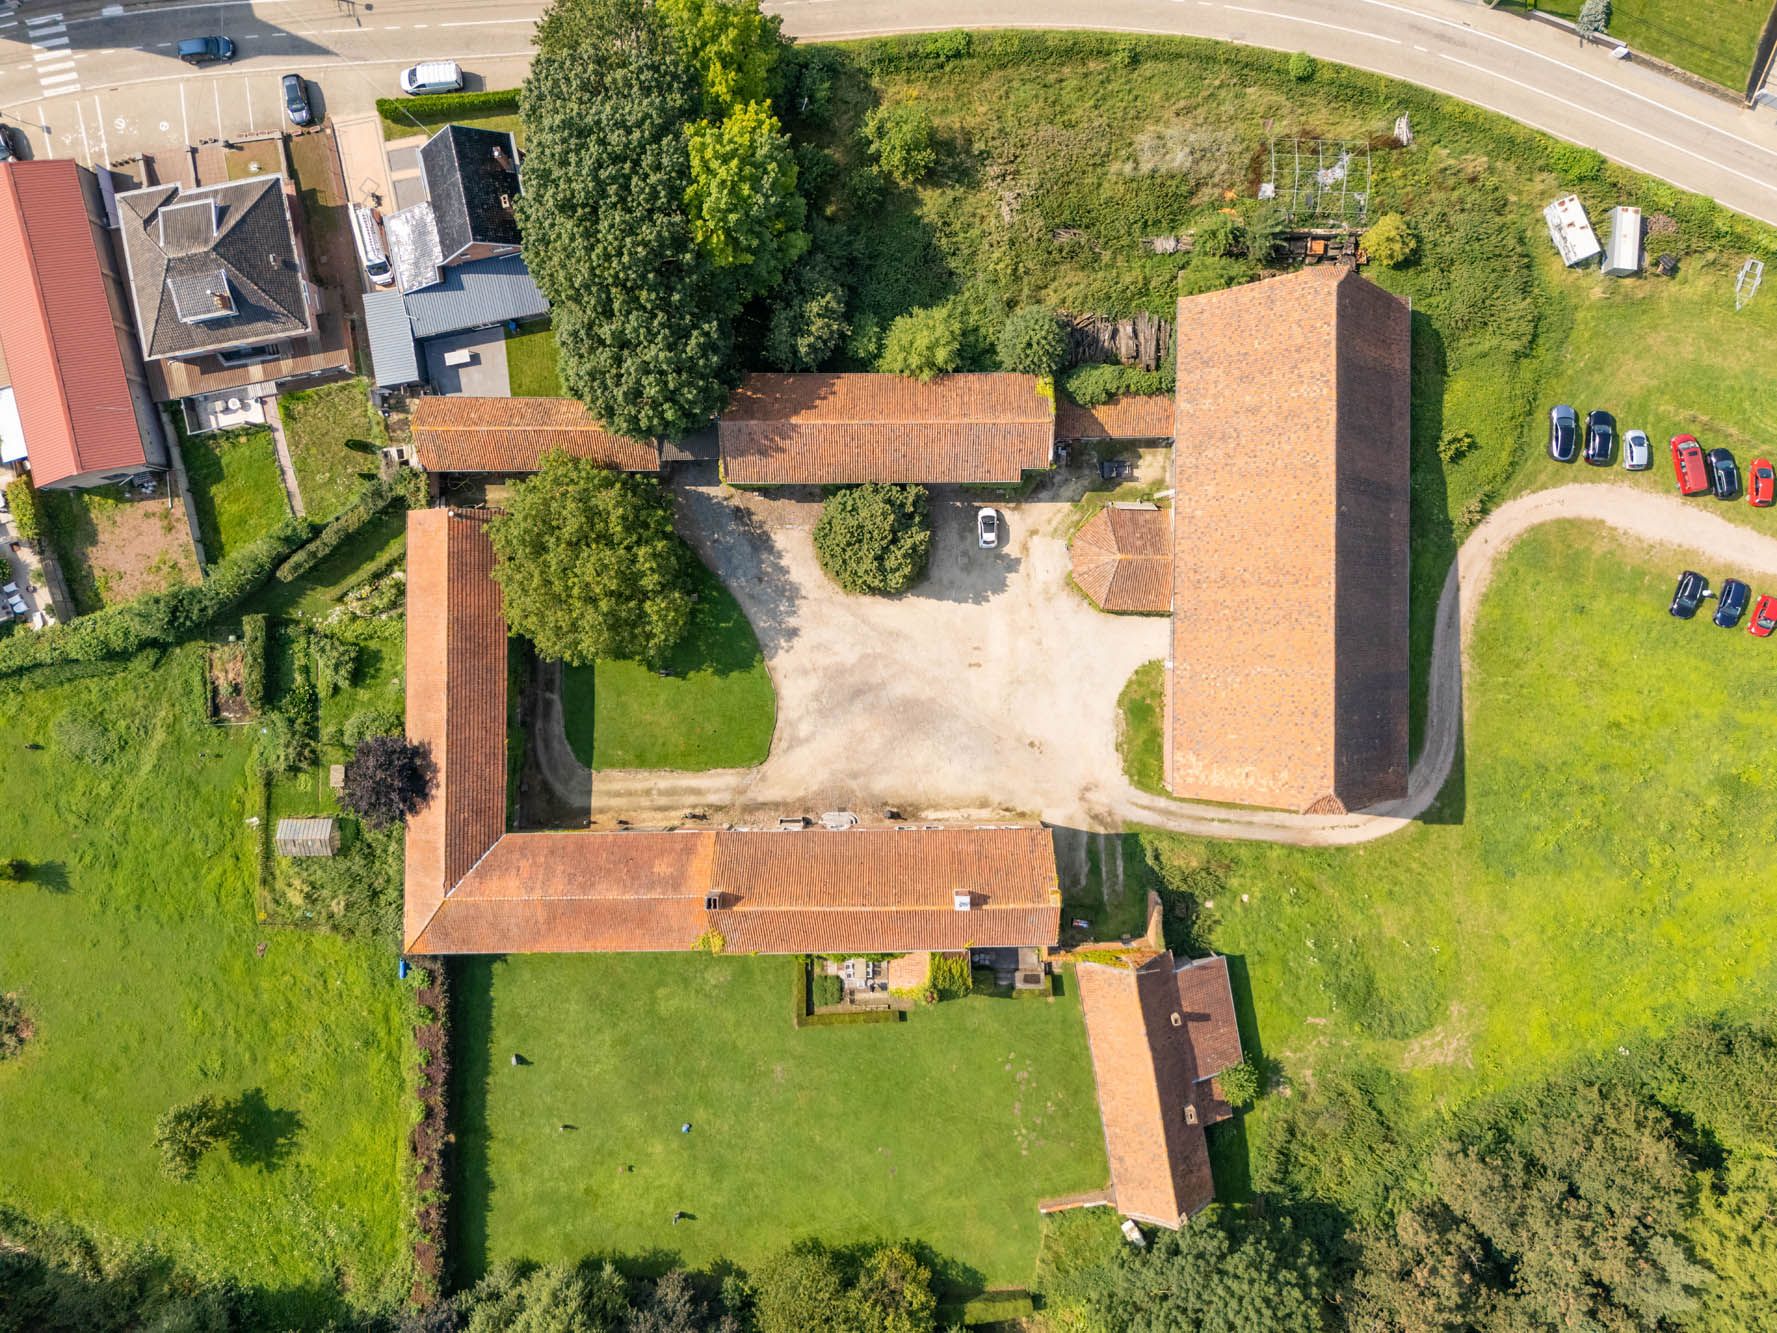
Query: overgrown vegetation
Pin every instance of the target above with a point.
(335, 438)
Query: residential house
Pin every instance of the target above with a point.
(74, 398)
(473, 887)
(837, 429)
(1160, 1032)
(1291, 496)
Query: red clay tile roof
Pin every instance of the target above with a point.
(471, 887)
(839, 429)
(1152, 1076)
(1288, 680)
(1122, 558)
(55, 323)
(512, 435)
(1134, 416)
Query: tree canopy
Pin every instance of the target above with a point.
(812, 1289)
(589, 565)
(923, 344)
(874, 538)
(1032, 343)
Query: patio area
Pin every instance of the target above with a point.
(227, 409)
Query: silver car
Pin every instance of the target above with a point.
(1638, 456)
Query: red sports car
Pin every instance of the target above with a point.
(1688, 466)
(1764, 617)
(1761, 483)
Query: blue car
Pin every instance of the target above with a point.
(1730, 605)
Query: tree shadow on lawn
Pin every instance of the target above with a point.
(261, 1135)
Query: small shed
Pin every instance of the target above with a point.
(307, 837)
(1623, 258)
(1571, 230)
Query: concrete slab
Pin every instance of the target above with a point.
(409, 190)
(361, 158)
(484, 377)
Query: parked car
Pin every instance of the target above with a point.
(1601, 437)
(1692, 589)
(1688, 465)
(1724, 476)
(205, 50)
(1564, 430)
(1764, 617)
(432, 76)
(987, 527)
(1638, 454)
(1761, 483)
(1730, 605)
(296, 100)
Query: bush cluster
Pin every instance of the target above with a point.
(447, 106)
(1032, 343)
(951, 977)
(1093, 385)
(805, 992)
(371, 501)
(21, 498)
(902, 141)
(875, 538)
(255, 641)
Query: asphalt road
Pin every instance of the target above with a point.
(100, 82)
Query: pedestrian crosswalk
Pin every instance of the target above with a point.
(49, 51)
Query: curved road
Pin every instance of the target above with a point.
(99, 81)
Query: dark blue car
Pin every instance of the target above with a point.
(1731, 604)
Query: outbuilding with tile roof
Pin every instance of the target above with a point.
(1122, 558)
(511, 435)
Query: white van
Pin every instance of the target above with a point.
(368, 235)
(433, 76)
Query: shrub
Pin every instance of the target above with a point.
(14, 870)
(951, 978)
(335, 663)
(1240, 1083)
(1092, 385)
(828, 990)
(1390, 241)
(1217, 237)
(387, 779)
(361, 726)
(21, 498)
(371, 501)
(991, 1307)
(943, 47)
(283, 747)
(901, 141)
(923, 344)
(1032, 343)
(1456, 445)
(1594, 16)
(808, 320)
(1211, 273)
(255, 643)
(1302, 66)
(875, 538)
(1573, 163)
(186, 1132)
(447, 106)
(16, 1027)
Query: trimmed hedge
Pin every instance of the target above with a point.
(21, 498)
(157, 618)
(990, 1307)
(254, 639)
(488, 102)
(372, 500)
(801, 1018)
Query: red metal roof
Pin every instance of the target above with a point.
(56, 328)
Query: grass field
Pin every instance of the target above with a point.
(715, 709)
(137, 954)
(1590, 874)
(1141, 741)
(410, 122)
(947, 1128)
(530, 361)
(234, 486)
(334, 438)
(1714, 38)
(377, 545)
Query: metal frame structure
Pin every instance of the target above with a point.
(1320, 185)
(1744, 291)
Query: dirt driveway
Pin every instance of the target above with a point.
(990, 690)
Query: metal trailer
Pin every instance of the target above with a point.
(1571, 230)
(1622, 258)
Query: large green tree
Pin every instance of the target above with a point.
(812, 1289)
(745, 212)
(1221, 1274)
(589, 565)
(875, 538)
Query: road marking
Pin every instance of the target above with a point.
(49, 79)
(216, 92)
(1760, 181)
(49, 148)
(247, 91)
(99, 117)
(1336, 27)
(184, 120)
(485, 23)
(85, 142)
(58, 65)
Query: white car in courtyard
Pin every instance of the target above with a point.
(1638, 455)
(987, 527)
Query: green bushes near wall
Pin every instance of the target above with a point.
(372, 500)
(21, 498)
(255, 638)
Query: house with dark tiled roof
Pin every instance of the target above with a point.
(473, 887)
(1160, 1032)
(1291, 495)
(74, 399)
(215, 272)
(839, 429)
(509, 436)
(470, 176)
(1122, 558)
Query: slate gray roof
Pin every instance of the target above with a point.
(468, 170)
(474, 296)
(414, 247)
(392, 353)
(212, 268)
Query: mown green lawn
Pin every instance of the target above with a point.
(1141, 741)
(946, 1129)
(137, 954)
(234, 486)
(1596, 870)
(377, 546)
(1715, 38)
(715, 709)
(334, 438)
(531, 362)
(409, 122)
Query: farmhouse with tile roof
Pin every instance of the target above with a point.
(1287, 685)
(1160, 1032)
(831, 430)
(1122, 558)
(472, 887)
(511, 435)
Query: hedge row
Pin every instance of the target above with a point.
(801, 1018)
(438, 106)
(156, 618)
(254, 640)
(991, 1307)
(21, 498)
(371, 501)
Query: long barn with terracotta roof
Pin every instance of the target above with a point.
(473, 887)
(1288, 680)
(511, 435)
